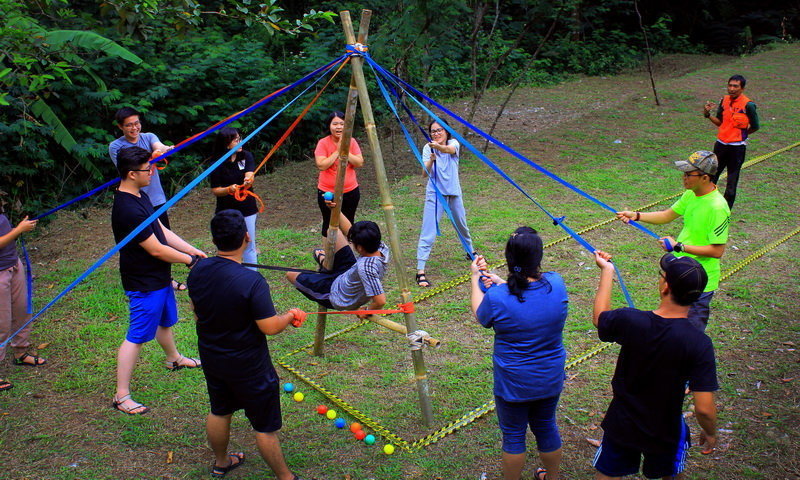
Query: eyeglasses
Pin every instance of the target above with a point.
(662, 274)
(149, 170)
(686, 174)
(437, 130)
(137, 123)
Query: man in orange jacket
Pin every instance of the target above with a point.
(737, 118)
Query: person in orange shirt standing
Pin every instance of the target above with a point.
(326, 156)
(737, 118)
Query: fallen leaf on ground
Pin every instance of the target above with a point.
(42, 346)
(787, 380)
(169, 456)
(593, 442)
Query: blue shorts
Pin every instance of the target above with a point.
(540, 415)
(615, 460)
(150, 310)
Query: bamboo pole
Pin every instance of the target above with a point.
(357, 63)
(400, 328)
(333, 227)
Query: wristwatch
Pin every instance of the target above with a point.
(678, 247)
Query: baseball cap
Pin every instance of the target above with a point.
(702, 160)
(685, 276)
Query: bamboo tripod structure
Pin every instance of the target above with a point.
(358, 92)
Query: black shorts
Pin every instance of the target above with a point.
(257, 396)
(317, 286)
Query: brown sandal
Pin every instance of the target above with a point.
(5, 385)
(176, 365)
(138, 409)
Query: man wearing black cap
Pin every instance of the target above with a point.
(706, 218)
(661, 352)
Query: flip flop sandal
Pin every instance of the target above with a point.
(178, 286)
(36, 363)
(421, 278)
(176, 365)
(218, 472)
(541, 474)
(139, 409)
(5, 385)
(319, 257)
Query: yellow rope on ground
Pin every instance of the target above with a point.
(489, 406)
(465, 277)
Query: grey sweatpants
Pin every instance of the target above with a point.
(432, 212)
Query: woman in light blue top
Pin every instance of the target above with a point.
(527, 314)
(441, 166)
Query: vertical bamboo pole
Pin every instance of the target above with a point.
(357, 63)
(333, 228)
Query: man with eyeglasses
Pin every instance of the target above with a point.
(144, 265)
(737, 117)
(129, 122)
(706, 219)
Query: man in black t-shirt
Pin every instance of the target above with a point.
(144, 265)
(661, 353)
(234, 312)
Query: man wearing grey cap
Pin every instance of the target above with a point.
(661, 354)
(706, 218)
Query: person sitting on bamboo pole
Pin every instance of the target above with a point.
(351, 282)
(326, 156)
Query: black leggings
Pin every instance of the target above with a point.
(349, 206)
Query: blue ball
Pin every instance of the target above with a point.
(328, 196)
(288, 387)
(340, 423)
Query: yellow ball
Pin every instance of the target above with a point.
(388, 449)
(331, 414)
(298, 397)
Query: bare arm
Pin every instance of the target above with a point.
(223, 191)
(275, 324)
(23, 226)
(176, 242)
(705, 410)
(161, 146)
(357, 161)
(713, 251)
(324, 163)
(443, 148)
(657, 218)
(164, 252)
(602, 299)
(707, 113)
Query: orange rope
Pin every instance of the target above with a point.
(299, 117)
(243, 191)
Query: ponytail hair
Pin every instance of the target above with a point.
(524, 258)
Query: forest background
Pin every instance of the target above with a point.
(67, 66)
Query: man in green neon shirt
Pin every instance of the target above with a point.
(706, 218)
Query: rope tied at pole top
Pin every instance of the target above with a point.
(357, 49)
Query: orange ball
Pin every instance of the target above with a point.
(355, 426)
(322, 409)
(360, 434)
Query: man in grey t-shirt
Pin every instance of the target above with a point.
(129, 122)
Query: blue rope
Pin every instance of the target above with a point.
(418, 156)
(199, 137)
(497, 169)
(163, 208)
(504, 147)
(28, 276)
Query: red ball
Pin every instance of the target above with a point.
(360, 434)
(355, 426)
(322, 409)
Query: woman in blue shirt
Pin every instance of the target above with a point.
(527, 314)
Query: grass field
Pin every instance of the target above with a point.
(612, 141)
